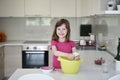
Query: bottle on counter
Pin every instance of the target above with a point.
(105, 67)
(117, 66)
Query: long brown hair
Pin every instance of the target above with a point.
(59, 23)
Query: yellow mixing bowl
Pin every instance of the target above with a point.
(69, 66)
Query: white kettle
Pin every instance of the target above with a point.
(82, 42)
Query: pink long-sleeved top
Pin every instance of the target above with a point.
(63, 47)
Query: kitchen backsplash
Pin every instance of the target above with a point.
(33, 28)
(14, 28)
(109, 25)
(41, 28)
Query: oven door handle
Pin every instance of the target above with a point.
(34, 52)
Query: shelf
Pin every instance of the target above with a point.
(112, 12)
(86, 47)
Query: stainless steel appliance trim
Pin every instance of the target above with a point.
(34, 52)
(37, 47)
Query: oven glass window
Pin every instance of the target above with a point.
(35, 59)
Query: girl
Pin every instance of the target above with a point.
(61, 43)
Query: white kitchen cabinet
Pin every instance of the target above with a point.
(86, 7)
(78, 8)
(93, 7)
(63, 8)
(11, 8)
(37, 8)
(13, 59)
(1, 63)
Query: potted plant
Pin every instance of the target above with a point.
(118, 57)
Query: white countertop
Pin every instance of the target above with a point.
(88, 70)
(11, 43)
(16, 42)
(19, 43)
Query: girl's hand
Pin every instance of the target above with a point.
(77, 57)
(71, 56)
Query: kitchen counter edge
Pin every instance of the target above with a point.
(16, 43)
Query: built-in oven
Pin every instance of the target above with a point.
(35, 56)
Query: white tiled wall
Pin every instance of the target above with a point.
(37, 31)
(32, 28)
(110, 28)
(13, 28)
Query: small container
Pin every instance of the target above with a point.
(46, 69)
(90, 42)
(82, 42)
(105, 67)
(117, 66)
(118, 7)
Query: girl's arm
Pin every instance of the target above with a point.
(74, 50)
(59, 53)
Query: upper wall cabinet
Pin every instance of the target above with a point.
(63, 8)
(37, 8)
(93, 7)
(51, 8)
(11, 8)
(78, 8)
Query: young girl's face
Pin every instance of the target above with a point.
(61, 31)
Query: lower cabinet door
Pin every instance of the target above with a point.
(1, 63)
(13, 59)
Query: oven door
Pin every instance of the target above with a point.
(34, 59)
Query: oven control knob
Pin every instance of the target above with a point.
(27, 47)
(34, 48)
